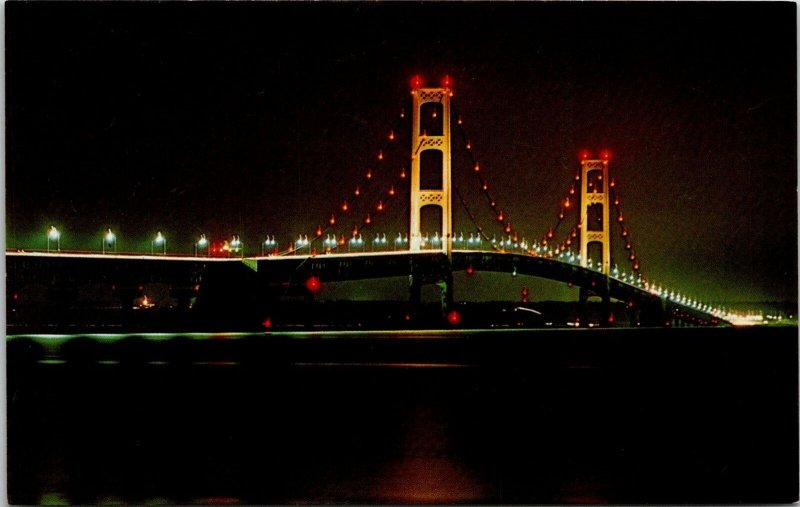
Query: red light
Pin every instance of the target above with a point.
(141, 287)
(319, 230)
(585, 154)
(408, 316)
(605, 155)
(447, 82)
(453, 317)
(470, 270)
(611, 318)
(313, 284)
(416, 82)
(16, 296)
(524, 291)
(267, 323)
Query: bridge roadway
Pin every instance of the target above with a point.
(215, 281)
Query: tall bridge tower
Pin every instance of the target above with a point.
(595, 228)
(430, 162)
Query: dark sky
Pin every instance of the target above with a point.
(260, 118)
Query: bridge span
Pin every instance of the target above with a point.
(252, 285)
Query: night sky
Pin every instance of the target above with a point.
(260, 118)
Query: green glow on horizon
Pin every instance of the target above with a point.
(53, 498)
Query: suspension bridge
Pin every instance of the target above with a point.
(576, 250)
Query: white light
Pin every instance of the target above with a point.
(53, 234)
(159, 238)
(202, 241)
(110, 236)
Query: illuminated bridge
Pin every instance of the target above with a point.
(221, 279)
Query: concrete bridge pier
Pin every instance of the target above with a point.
(444, 282)
(600, 290)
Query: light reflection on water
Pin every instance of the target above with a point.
(410, 417)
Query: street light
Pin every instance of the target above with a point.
(301, 242)
(54, 235)
(109, 239)
(159, 240)
(379, 240)
(269, 242)
(236, 245)
(330, 242)
(356, 241)
(458, 240)
(202, 243)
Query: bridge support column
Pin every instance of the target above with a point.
(445, 286)
(595, 229)
(430, 271)
(431, 136)
(600, 290)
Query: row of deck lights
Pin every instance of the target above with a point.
(330, 242)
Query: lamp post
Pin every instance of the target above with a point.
(302, 240)
(458, 240)
(330, 242)
(54, 235)
(237, 245)
(111, 239)
(269, 243)
(161, 241)
(356, 241)
(201, 243)
(378, 242)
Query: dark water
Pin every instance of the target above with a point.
(573, 416)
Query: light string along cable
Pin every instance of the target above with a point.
(564, 207)
(502, 218)
(348, 204)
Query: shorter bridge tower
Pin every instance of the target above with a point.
(594, 194)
